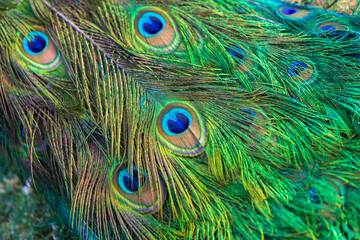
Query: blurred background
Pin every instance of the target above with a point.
(25, 214)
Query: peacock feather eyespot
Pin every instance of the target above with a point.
(336, 31)
(38, 49)
(238, 53)
(293, 13)
(314, 196)
(331, 28)
(132, 186)
(241, 58)
(289, 11)
(156, 30)
(181, 129)
(327, 28)
(301, 71)
(296, 68)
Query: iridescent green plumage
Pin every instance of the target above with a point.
(185, 119)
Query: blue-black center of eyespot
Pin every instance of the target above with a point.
(296, 68)
(313, 195)
(328, 28)
(180, 125)
(289, 11)
(154, 26)
(37, 44)
(150, 24)
(132, 182)
(237, 52)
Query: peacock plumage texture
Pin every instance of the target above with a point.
(216, 119)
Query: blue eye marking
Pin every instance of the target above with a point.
(35, 43)
(289, 11)
(131, 183)
(151, 24)
(296, 68)
(237, 52)
(176, 121)
(313, 195)
(327, 28)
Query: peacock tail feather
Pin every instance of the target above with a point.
(215, 119)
